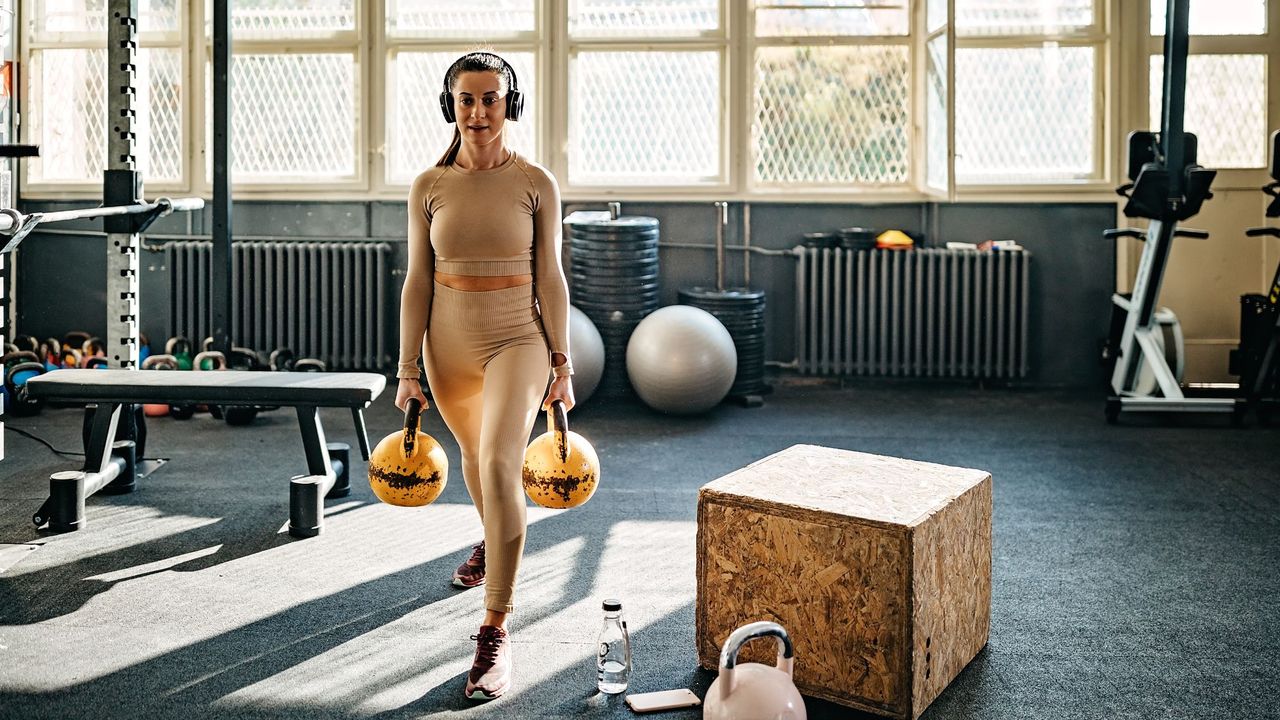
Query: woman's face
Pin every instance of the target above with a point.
(481, 107)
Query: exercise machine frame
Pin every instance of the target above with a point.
(1168, 187)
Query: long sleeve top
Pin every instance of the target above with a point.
(499, 221)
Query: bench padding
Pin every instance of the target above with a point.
(218, 387)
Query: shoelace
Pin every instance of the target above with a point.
(487, 645)
(477, 555)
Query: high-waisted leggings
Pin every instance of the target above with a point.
(488, 365)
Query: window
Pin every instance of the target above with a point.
(645, 93)
(424, 37)
(295, 92)
(1028, 79)
(1219, 17)
(1226, 91)
(831, 93)
(66, 43)
(806, 98)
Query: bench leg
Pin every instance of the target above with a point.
(307, 492)
(362, 435)
(340, 461)
(108, 463)
(306, 504)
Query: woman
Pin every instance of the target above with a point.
(486, 301)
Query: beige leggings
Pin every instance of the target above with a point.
(488, 365)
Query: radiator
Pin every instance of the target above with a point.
(324, 300)
(922, 313)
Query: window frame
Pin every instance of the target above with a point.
(30, 40)
(386, 47)
(1103, 38)
(1121, 100)
(1265, 44)
(719, 41)
(355, 42)
(845, 192)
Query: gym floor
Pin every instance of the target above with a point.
(1134, 566)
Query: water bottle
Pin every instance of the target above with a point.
(613, 664)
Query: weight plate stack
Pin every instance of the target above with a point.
(613, 278)
(741, 311)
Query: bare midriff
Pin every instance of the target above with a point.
(478, 283)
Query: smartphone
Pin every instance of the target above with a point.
(663, 700)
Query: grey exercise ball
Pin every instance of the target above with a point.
(588, 354)
(681, 360)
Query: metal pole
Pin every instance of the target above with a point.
(722, 219)
(1175, 94)
(122, 183)
(220, 285)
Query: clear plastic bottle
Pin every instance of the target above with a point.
(613, 662)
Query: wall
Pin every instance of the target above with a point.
(1204, 279)
(60, 283)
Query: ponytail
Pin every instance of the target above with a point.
(451, 155)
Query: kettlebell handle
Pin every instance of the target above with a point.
(558, 424)
(750, 631)
(412, 416)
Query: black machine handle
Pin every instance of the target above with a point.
(1114, 233)
(1263, 232)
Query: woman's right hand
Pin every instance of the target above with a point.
(410, 388)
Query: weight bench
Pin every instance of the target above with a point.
(110, 462)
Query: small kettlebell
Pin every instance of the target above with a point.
(752, 691)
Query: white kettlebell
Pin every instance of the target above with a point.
(752, 691)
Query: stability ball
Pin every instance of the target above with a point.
(588, 354)
(681, 359)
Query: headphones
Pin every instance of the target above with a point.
(515, 100)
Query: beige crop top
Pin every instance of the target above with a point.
(500, 221)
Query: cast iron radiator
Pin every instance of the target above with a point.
(919, 313)
(324, 300)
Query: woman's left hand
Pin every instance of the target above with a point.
(561, 389)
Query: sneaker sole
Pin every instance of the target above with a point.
(458, 582)
(478, 694)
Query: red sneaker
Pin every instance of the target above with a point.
(471, 573)
(490, 674)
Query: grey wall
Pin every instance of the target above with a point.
(60, 279)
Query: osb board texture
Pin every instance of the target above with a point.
(874, 488)
(840, 588)
(951, 593)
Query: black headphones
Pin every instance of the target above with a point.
(515, 100)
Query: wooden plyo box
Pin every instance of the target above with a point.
(878, 567)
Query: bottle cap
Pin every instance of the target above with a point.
(611, 605)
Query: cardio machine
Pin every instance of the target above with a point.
(1257, 360)
(1168, 187)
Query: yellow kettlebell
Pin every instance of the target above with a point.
(561, 469)
(408, 468)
